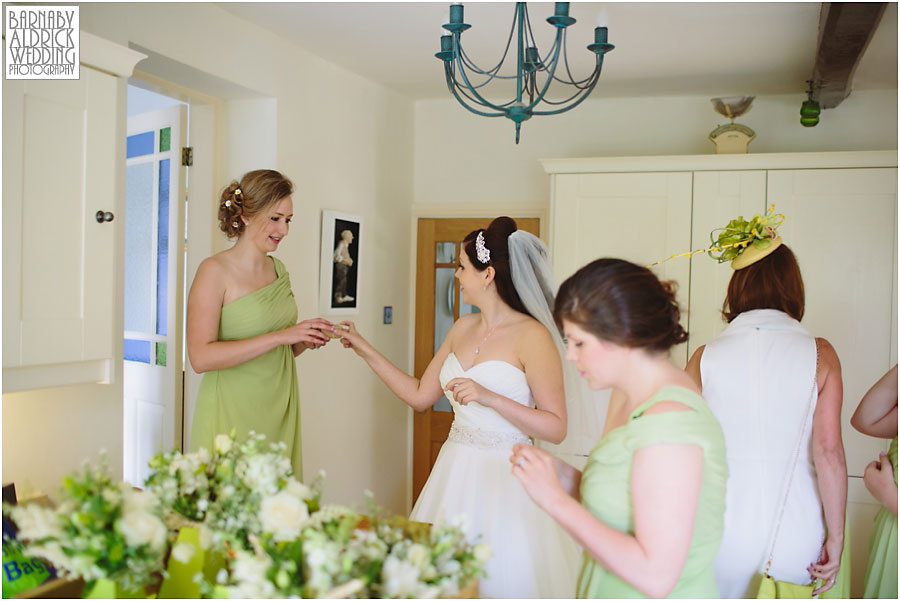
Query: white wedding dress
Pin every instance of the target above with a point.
(532, 557)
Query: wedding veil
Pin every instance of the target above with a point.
(535, 283)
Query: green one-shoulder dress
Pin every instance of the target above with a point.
(261, 394)
(881, 574)
(606, 491)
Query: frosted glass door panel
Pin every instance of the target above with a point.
(139, 247)
(842, 226)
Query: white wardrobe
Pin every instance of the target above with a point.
(841, 222)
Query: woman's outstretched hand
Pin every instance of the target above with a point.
(466, 391)
(534, 469)
(309, 332)
(351, 338)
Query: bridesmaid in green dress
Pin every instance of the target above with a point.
(648, 507)
(242, 330)
(877, 416)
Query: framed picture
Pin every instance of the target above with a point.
(339, 268)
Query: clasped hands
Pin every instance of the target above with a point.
(314, 333)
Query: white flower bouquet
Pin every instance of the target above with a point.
(99, 530)
(260, 533)
(232, 492)
(341, 554)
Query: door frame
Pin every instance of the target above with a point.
(204, 126)
(535, 209)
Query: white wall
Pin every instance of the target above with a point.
(347, 145)
(461, 157)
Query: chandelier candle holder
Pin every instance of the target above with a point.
(533, 74)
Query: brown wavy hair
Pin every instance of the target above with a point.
(622, 303)
(773, 282)
(257, 191)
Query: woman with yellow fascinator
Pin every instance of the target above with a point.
(776, 391)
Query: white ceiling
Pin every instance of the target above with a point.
(712, 48)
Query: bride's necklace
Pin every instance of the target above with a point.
(488, 335)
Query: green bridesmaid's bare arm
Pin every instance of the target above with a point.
(665, 488)
(206, 352)
(876, 414)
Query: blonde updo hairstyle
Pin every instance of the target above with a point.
(257, 191)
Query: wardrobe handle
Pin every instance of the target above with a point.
(104, 216)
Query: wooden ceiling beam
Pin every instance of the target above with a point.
(845, 29)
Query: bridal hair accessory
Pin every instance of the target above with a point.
(481, 251)
(741, 242)
(237, 198)
(235, 224)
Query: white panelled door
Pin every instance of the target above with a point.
(640, 217)
(154, 264)
(59, 146)
(719, 196)
(842, 226)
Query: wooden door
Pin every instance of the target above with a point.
(438, 305)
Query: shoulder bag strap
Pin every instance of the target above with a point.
(793, 463)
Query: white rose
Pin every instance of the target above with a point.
(283, 515)
(36, 522)
(222, 443)
(401, 578)
(202, 456)
(298, 489)
(182, 552)
(137, 500)
(482, 552)
(418, 555)
(142, 528)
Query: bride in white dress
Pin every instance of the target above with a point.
(502, 373)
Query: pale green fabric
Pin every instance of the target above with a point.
(881, 574)
(261, 394)
(606, 491)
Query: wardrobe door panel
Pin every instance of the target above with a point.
(719, 196)
(641, 217)
(842, 226)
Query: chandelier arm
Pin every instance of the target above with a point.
(584, 94)
(569, 99)
(462, 90)
(477, 97)
(475, 68)
(495, 69)
(472, 110)
(520, 51)
(560, 33)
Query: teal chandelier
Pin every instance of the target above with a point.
(533, 75)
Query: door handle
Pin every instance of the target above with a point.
(450, 296)
(104, 216)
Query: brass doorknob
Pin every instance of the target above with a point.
(104, 216)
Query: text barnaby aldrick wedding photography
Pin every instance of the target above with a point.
(42, 42)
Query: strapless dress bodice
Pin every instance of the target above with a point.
(477, 425)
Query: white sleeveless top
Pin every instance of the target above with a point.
(758, 376)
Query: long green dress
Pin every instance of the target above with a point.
(261, 394)
(881, 575)
(606, 491)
